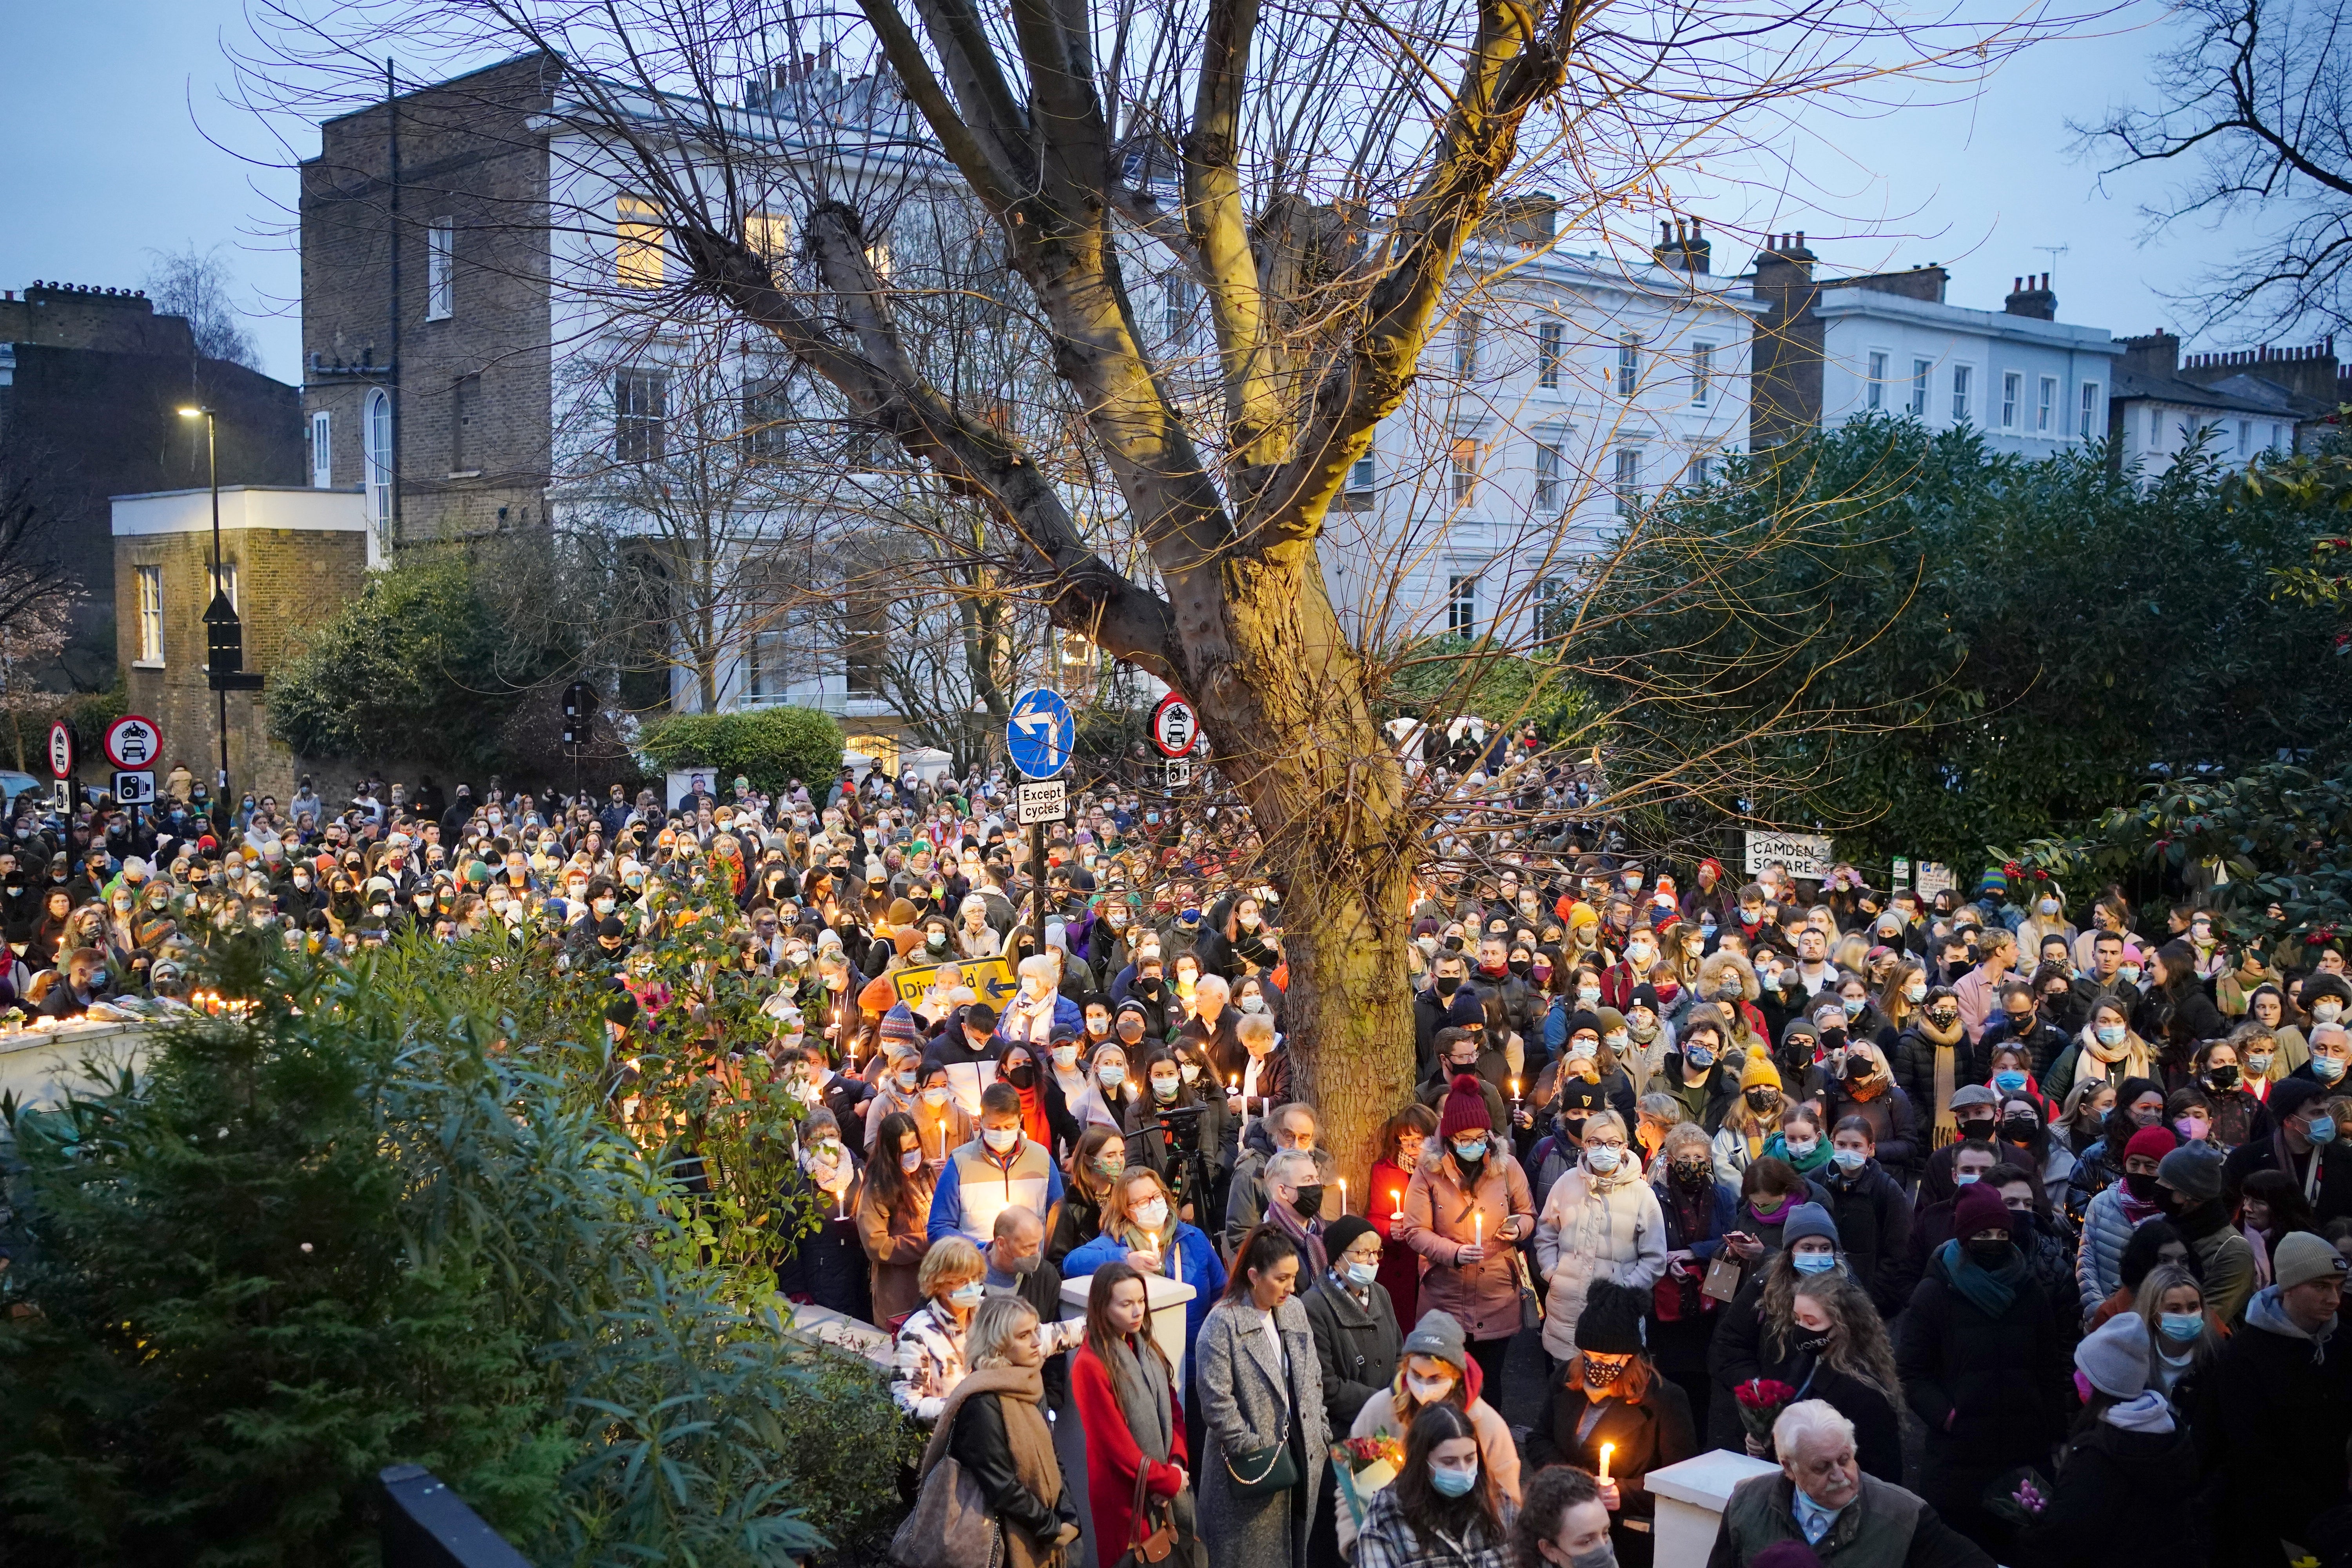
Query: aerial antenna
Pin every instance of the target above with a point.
(2053, 252)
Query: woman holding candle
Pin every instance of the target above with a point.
(1610, 1412)
(827, 1268)
(1402, 1142)
(1464, 1215)
(893, 1210)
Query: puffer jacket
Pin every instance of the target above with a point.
(1593, 1228)
(1914, 1071)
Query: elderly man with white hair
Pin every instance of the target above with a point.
(1210, 1027)
(1822, 1497)
(1040, 1011)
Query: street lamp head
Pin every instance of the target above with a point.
(194, 413)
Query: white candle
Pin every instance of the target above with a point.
(1478, 1227)
(1343, 1195)
(1606, 1449)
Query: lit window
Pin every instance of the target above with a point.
(1920, 370)
(640, 414)
(1550, 349)
(322, 451)
(1463, 453)
(1874, 395)
(1628, 484)
(1960, 376)
(1462, 606)
(376, 438)
(150, 614)
(2046, 408)
(1629, 364)
(1549, 489)
(638, 262)
(2012, 392)
(1702, 373)
(1465, 344)
(1077, 651)
(440, 269)
(2090, 410)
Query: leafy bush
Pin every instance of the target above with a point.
(769, 746)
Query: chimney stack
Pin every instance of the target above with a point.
(1682, 249)
(2031, 296)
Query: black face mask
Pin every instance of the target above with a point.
(1573, 1126)
(2222, 1078)
(1521, 966)
(1454, 945)
(1309, 1201)
(1020, 1077)
(2141, 1185)
(1856, 1069)
(1695, 1176)
(1978, 1127)
(2019, 1130)
(1991, 1254)
(1446, 984)
(1812, 1344)
(1763, 1100)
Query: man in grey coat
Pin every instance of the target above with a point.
(1260, 1389)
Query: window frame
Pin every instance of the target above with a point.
(1629, 364)
(1702, 374)
(1462, 604)
(1873, 395)
(637, 258)
(2045, 407)
(2012, 397)
(1551, 352)
(640, 422)
(322, 450)
(1963, 393)
(1462, 477)
(1923, 371)
(150, 586)
(1468, 326)
(440, 269)
(1625, 481)
(2087, 430)
(376, 453)
(1551, 463)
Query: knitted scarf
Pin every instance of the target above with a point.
(1989, 1290)
(1947, 1081)
(1141, 1385)
(1021, 1394)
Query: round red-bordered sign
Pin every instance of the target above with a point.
(61, 751)
(1175, 727)
(132, 742)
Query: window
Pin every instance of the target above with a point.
(464, 408)
(2245, 436)
(1361, 473)
(1549, 350)
(765, 680)
(440, 269)
(1629, 364)
(1177, 300)
(1920, 370)
(638, 259)
(1629, 481)
(2012, 392)
(376, 438)
(150, 614)
(2090, 410)
(765, 406)
(1554, 613)
(1961, 378)
(1075, 650)
(2045, 409)
(322, 451)
(639, 400)
(1874, 395)
(2278, 441)
(2155, 427)
(1549, 496)
(1462, 606)
(1464, 456)
(1702, 373)
(861, 649)
(767, 236)
(1466, 327)
(222, 580)
(1701, 470)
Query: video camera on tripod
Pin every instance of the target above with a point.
(1188, 1163)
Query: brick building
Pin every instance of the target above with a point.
(290, 557)
(90, 382)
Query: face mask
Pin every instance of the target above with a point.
(2008, 1081)
(1587, 996)
(1428, 1390)
(1849, 1160)
(1065, 1056)
(1472, 1152)
(1000, 1138)
(2322, 1130)
(1603, 1160)
(1943, 1020)
(1583, 1051)
(2258, 1064)
(1730, 987)
(1112, 1076)
(1967, 1178)
(967, 1296)
(1601, 1556)
(1618, 1042)
(1362, 1274)
(1446, 984)
(1454, 1483)
(1252, 1003)
(2180, 1327)
(2128, 972)
(1164, 1088)
(1694, 1173)
(911, 1160)
(2327, 1069)
(1640, 954)
(2223, 1077)
(1991, 1254)
(935, 1098)
(1916, 992)
(1598, 1377)
(2048, 906)
(1699, 1057)
(1803, 1148)
(2111, 1035)
(2327, 1009)
(1763, 1099)
(1812, 1344)
(1151, 1212)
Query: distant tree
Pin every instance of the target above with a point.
(197, 284)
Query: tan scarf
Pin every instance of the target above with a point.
(2099, 1063)
(1947, 1080)
(1021, 1394)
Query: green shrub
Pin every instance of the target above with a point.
(769, 746)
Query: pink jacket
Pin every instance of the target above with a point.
(1441, 1217)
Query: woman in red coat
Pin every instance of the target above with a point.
(1402, 1142)
(1126, 1393)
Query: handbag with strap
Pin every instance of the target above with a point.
(1159, 1543)
(1531, 1309)
(950, 1527)
(1261, 1472)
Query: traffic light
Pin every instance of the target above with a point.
(578, 712)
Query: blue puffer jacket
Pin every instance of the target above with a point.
(1195, 1262)
(2099, 1259)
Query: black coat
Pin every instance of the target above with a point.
(980, 1445)
(1359, 1346)
(1745, 1348)
(1873, 1221)
(2043, 1040)
(1647, 1433)
(1991, 1391)
(2120, 1496)
(2280, 1417)
(1914, 1062)
(2174, 1023)
(828, 1266)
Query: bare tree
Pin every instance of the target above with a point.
(1309, 179)
(199, 284)
(2254, 124)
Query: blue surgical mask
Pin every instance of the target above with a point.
(2008, 1081)
(1853, 1005)
(2181, 1327)
(967, 1296)
(2322, 1130)
(1698, 1057)
(1966, 1178)
(1849, 1160)
(1813, 1262)
(1475, 1149)
(1454, 1483)
(1364, 1273)
(2327, 1069)
(2111, 1033)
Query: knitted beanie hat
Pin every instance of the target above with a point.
(1464, 1110)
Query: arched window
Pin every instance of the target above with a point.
(376, 433)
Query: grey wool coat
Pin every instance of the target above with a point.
(1243, 1408)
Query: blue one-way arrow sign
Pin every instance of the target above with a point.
(1041, 734)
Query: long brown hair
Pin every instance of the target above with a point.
(1431, 1511)
(1100, 1337)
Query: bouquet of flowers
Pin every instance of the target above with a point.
(2019, 1496)
(1362, 1465)
(1761, 1400)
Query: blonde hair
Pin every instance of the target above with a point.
(950, 1262)
(1117, 1211)
(1000, 1319)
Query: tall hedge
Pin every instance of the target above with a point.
(769, 746)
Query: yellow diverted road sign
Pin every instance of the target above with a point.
(990, 980)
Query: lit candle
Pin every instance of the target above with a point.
(1343, 1195)
(1478, 1227)
(1606, 1449)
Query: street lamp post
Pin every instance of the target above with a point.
(220, 609)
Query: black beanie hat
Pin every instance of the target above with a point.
(1344, 1233)
(1611, 1323)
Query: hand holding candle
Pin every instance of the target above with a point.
(1396, 1196)
(1478, 1228)
(1606, 1449)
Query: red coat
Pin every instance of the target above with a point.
(1400, 1265)
(1112, 1455)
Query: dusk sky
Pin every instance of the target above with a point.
(123, 140)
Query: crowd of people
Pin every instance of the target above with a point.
(2006, 1232)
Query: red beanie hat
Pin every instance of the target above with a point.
(1979, 1207)
(2155, 1142)
(1464, 1110)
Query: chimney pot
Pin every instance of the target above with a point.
(1801, 240)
